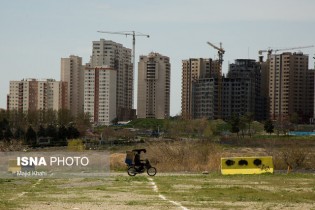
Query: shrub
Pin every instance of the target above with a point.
(12, 145)
(192, 156)
(75, 145)
(117, 162)
(292, 157)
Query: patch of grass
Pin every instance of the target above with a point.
(138, 203)
(102, 188)
(5, 204)
(279, 188)
(192, 191)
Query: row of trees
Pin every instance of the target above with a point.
(30, 135)
(19, 119)
(110, 133)
(201, 128)
(59, 125)
(57, 135)
(28, 126)
(240, 124)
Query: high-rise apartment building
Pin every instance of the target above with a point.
(291, 86)
(195, 71)
(117, 57)
(154, 72)
(72, 72)
(241, 90)
(32, 95)
(100, 94)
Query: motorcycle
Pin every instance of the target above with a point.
(137, 166)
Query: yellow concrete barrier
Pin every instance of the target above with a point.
(246, 165)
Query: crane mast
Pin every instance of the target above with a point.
(133, 34)
(221, 51)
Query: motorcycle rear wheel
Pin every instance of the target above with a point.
(131, 171)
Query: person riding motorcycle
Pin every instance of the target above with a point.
(138, 162)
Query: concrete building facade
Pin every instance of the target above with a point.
(100, 94)
(205, 95)
(72, 72)
(117, 57)
(195, 71)
(291, 87)
(238, 98)
(31, 95)
(241, 90)
(154, 72)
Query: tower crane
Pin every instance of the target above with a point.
(269, 51)
(133, 34)
(129, 33)
(221, 51)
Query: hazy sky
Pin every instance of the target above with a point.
(35, 34)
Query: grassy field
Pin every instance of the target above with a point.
(165, 191)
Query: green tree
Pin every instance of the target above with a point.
(2, 129)
(220, 127)
(200, 125)
(3, 114)
(82, 123)
(62, 135)
(108, 133)
(249, 118)
(50, 117)
(235, 124)
(72, 133)
(64, 117)
(30, 136)
(33, 118)
(269, 126)
(257, 127)
(18, 119)
(283, 125)
(286, 126)
(243, 124)
(8, 135)
(41, 131)
(19, 133)
(4, 124)
(51, 132)
(1, 134)
(294, 119)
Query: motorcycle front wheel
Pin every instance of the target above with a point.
(151, 171)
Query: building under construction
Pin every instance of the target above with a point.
(198, 86)
(241, 91)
